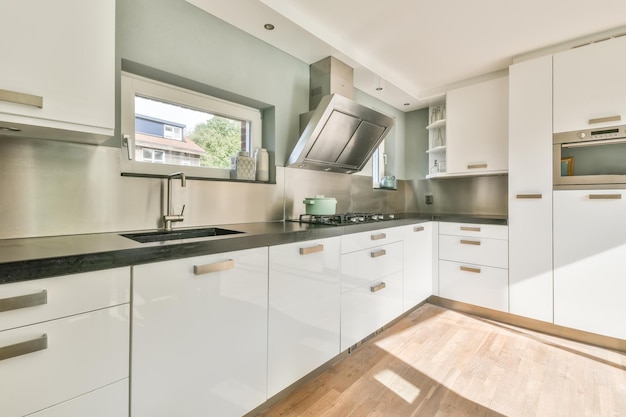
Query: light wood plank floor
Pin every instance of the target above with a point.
(438, 362)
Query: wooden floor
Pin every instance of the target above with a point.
(438, 362)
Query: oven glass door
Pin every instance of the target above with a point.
(592, 162)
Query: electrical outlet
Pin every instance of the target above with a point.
(429, 199)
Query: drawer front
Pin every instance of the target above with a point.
(109, 401)
(84, 352)
(474, 284)
(370, 307)
(51, 298)
(363, 240)
(480, 251)
(492, 231)
(362, 267)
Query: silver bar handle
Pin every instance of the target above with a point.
(378, 236)
(605, 119)
(21, 98)
(470, 242)
(605, 196)
(311, 249)
(378, 253)
(468, 269)
(214, 267)
(24, 348)
(593, 143)
(476, 166)
(378, 287)
(418, 229)
(470, 229)
(24, 301)
(528, 196)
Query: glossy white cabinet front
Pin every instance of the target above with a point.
(200, 341)
(418, 264)
(304, 308)
(590, 260)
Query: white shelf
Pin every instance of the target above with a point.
(437, 124)
(437, 149)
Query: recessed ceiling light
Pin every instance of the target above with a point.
(407, 104)
(379, 89)
(268, 26)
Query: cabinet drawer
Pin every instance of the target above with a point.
(56, 297)
(480, 251)
(84, 352)
(362, 267)
(474, 284)
(109, 401)
(363, 240)
(492, 231)
(369, 307)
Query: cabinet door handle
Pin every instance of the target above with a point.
(23, 348)
(21, 98)
(378, 253)
(470, 242)
(605, 119)
(311, 249)
(605, 196)
(476, 166)
(418, 229)
(528, 196)
(468, 269)
(214, 267)
(24, 301)
(470, 229)
(378, 287)
(378, 236)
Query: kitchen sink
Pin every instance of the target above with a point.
(162, 235)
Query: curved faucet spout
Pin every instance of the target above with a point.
(169, 216)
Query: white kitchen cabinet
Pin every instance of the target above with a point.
(530, 189)
(200, 335)
(371, 282)
(436, 140)
(477, 128)
(71, 343)
(589, 85)
(304, 309)
(473, 264)
(589, 267)
(58, 76)
(418, 264)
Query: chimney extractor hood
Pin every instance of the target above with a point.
(339, 135)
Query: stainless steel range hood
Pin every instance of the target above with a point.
(339, 135)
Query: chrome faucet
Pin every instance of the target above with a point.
(169, 216)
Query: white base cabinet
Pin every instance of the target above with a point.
(304, 309)
(62, 52)
(418, 264)
(371, 282)
(589, 266)
(200, 335)
(74, 342)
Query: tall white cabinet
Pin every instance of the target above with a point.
(418, 264)
(589, 261)
(199, 335)
(530, 189)
(58, 68)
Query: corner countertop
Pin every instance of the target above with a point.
(41, 257)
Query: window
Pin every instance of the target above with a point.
(166, 127)
(379, 160)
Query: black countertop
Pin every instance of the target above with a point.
(42, 257)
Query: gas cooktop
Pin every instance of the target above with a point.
(344, 218)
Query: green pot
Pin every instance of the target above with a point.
(320, 205)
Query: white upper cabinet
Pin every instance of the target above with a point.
(589, 86)
(530, 189)
(57, 78)
(477, 128)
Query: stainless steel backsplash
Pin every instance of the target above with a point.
(55, 188)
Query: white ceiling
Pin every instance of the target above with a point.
(416, 49)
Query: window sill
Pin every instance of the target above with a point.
(138, 175)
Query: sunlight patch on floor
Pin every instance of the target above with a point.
(400, 386)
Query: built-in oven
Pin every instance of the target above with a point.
(594, 158)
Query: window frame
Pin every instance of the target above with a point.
(132, 85)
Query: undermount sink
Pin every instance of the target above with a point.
(162, 235)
